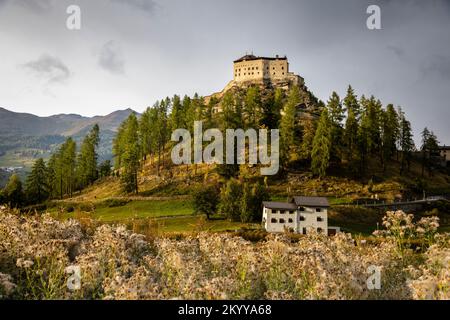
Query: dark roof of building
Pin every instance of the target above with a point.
(280, 205)
(250, 57)
(311, 201)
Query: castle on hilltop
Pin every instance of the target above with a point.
(267, 70)
(267, 73)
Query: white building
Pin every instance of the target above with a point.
(300, 215)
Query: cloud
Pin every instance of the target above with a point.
(399, 52)
(37, 6)
(438, 65)
(147, 6)
(111, 58)
(49, 68)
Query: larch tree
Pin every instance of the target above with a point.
(321, 148)
(37, 188)
(336, 116)
(289, 131)
(131, 156)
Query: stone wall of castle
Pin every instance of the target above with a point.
(261, 69)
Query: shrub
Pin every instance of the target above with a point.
(114, 202)
(205, 201)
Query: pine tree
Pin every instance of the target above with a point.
(364, 142)
(390, 131)
(104, 169)
(246, 214)
(252, 108)
(320, 155)
(336, 115)
(406, 142)
(13, 192)
(351, 103)
(230, 200)
(87, 158)
(131, 155)
(289, 131)
(309, 131)
(37, 188)
(429, 146)
(351, 136)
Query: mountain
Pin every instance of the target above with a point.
(13, 123)
(25, 137)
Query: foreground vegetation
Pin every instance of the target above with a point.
(35, 252)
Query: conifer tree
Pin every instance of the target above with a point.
(336, 115)
(252, 108)
(13, 192)
(320, 155)
(37, 188)
(230, 200)
(406, 142)
(309, 131)
(87, 158)
(390, 131)
(130, 157)
(289, 131)
(351, 136)
(351, 103)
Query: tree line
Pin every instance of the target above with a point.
(341, 132)
(68, 170)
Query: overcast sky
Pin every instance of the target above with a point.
(129, 53)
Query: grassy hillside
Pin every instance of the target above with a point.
(164, 202)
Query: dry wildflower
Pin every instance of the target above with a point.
(118, 264)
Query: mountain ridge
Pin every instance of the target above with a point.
(18, 123)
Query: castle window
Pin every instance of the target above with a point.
(283, 73)
(256, 68)
(302, 209)
(281, 220)
(302, 218)
(290, 220)
(318, 210)
(319, 230)
(282, 68)
(319, 219)
(273, 220)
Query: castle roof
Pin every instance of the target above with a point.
(251, 57)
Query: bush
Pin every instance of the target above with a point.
(114, 202)
(205, 201)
